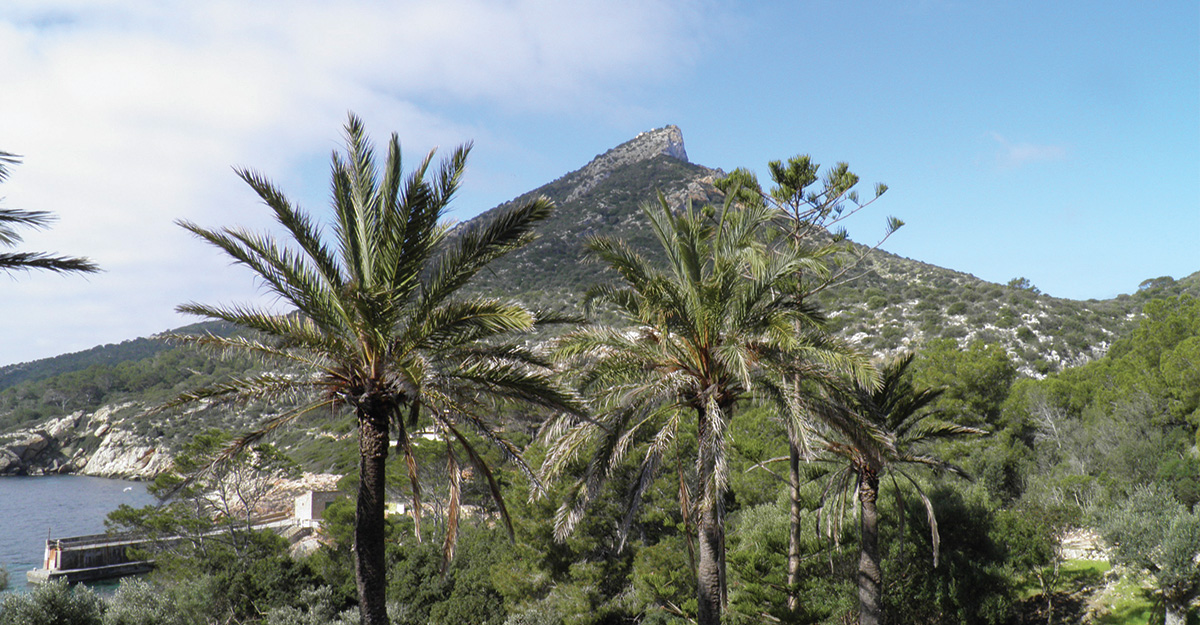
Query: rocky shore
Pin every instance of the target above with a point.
(92, 443)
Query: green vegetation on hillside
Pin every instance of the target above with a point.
(1091, 412)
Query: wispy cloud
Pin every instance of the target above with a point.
(1013, 155)
(130, 113)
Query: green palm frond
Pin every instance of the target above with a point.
(477, 245)
(241, 389)
(462, 322)
(372, 314)
(289, 330)
(235, 345)
(634, 268)
(299, 224)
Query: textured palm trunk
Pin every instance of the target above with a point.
(1176, 613)
(870, 579)
(793, 553)
(370, 566)
(710, 567)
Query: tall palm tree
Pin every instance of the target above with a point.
(11, 219)
(710, 330)
(376, 319)
(884, 429)
(811, 221)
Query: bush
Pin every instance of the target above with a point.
(970, 584)
(321, 608)
(138, 602)
(55, 603)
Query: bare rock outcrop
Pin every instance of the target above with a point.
(126, 455)
(95, 443)
(31, 452)
(667, 140)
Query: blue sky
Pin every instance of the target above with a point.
(1055, 141)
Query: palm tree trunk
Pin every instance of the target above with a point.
(793, 553)
(1175, 613)
(370, 566)
(710, 573)
(870, 579)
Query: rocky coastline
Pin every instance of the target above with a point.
(83, 443)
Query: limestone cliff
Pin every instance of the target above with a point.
(87, 443)
(667, 140)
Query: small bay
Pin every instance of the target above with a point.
(56, 505)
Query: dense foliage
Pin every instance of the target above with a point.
(1081, 448)
(1107, 445)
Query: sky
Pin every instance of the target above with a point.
(1059, 142)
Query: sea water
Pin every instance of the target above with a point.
(55, 506)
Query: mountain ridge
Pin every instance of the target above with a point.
(60, 412)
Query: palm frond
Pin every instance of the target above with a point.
(935, 536)
(291, 330)
(299, 224)
(244, 442)
(266, 386)
(494, 487)
(479, 245)
(646, 474)
(39, 260)
(453, 507)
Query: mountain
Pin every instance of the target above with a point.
(602, 198)
(62, 413)
(885, 304)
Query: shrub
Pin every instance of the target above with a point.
(55, 603)
(138, 602)
(320, 608)
(953, 332)
(970, 583)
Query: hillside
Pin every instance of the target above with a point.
(886, 304)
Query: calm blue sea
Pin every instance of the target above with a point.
(58, 505)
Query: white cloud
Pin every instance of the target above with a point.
(131, 113)
(1012, 155)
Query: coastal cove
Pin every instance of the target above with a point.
(61, 505)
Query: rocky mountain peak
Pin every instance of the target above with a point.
(667, 140)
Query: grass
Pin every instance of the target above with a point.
(1127, 604)
(1073, 575)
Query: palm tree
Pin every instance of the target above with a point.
(884, 429)
(710, 330)
(810, 221)
(11, 219)
(376, 320)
